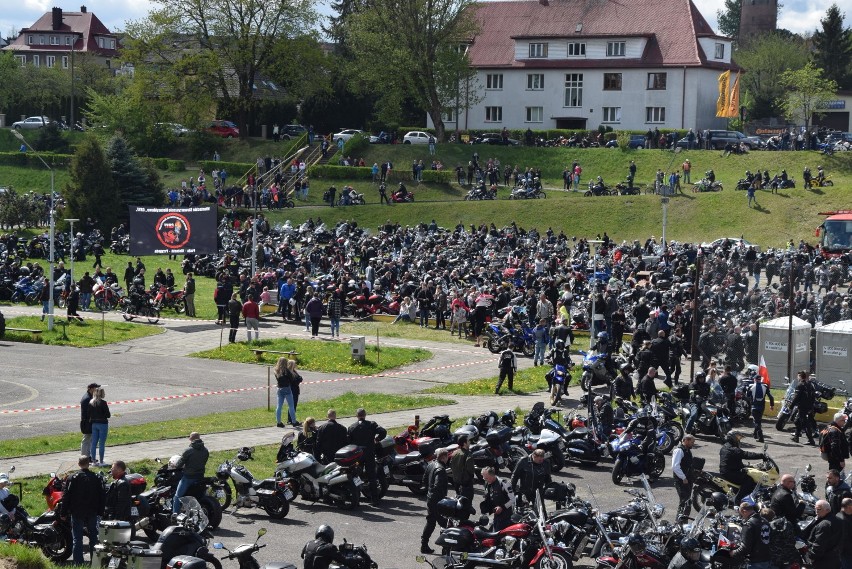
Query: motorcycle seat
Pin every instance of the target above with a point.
(578, 433)
(533, 439)
(318, 469)
(137, 543)
(484, 534)
(414, 456)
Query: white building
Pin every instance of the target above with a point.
(578, 64)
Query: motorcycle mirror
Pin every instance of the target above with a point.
(808, 468)
(765, 446)
(12, 469)
(218, 545)
(261, 532)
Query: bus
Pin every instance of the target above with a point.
(835, 233)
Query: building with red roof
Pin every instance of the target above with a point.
(51, 39)
(578, 64)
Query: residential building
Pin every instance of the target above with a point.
(578, 64)
(50, 41)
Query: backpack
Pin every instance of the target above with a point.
(823, 447)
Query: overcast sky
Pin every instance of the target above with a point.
(796, 15)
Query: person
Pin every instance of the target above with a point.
(688, 556)
(542, 338)
(683, 475)
(235, 310)
(118, 502)
(313, 309)
(320, 552)
(189, 295)
(834, 448)
(193, 460)
(83, 500)
(85, 424)
(759, 392)
(508, 365)
(251, 312)
(824, 538)
(99, 415)
(383, 194)
(731, 465)
(308, 437)
(728, 382)
(754, 540)
(785, 502)
(335, 309)
(284, 379)
(647, 388)
(4, 493)
(365, 434)
(660, 348)
(531, 474)
(499, 498)
(463, 468)
(605, 414)
(836, 489)
(295, 383)
(331, 437)
(804, 399)
(435, 482)
(845, 518)
(73, 303)
(622, 386)
(699, 391)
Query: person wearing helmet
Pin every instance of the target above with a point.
(603, 410)
(622, 385)
(688, 556)
(731, 466)
(321, 551)
(820, 177)
(645, 425)
(559, 355)
(699, 392)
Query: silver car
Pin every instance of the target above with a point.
(31, 123)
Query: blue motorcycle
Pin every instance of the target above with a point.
(558, 379)
(519, 339)
(594, 370)
(631, 458)
(27, 290)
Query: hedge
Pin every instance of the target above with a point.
(32, 159)
(238, 169)
(176, 165)
(331, 172)
(161, 163)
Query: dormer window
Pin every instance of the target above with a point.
(576, 49)
(720, 51)
(615, 48)
(538, 50)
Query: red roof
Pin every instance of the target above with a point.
(86, 25)
(672, 27)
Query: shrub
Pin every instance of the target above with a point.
(176, 165)
(623, 138)
(161, 163)
(32, 160)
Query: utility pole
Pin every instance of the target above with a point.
(792, 306)
(694, 335)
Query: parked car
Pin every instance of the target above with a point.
(31, 123)
(494, 138)
(291, 131)
(720, 138)
(175, 128)
(416, 137)
(345, 134)
(637, 141)
(729, 242)
(381, 138)
(225, 129)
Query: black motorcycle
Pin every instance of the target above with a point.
(160, 498)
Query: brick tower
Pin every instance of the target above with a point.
(757, 17)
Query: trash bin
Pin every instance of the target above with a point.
(359, 348)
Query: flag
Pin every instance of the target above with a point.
(724, 92)
(734, 99)
(763, 372)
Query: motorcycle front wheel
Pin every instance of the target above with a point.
(618, 472)
(127, 315)
(781, 421)
(153, 315)
(494, 345)
(557, 460)
(658, 465)
(180, 306)
(515, 455)
(528, 349)
(557, 560)
(701, 495)
(226, 495)
(60, 550)
(212, 510)
(586, 382)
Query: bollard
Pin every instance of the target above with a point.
(103, 324)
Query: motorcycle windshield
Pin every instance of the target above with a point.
(791, 389)
(717, 394)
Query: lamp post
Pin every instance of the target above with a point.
(665, 201)
(593, 287)
(71, 245)
(20, 137)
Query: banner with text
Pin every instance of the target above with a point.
(176, 231)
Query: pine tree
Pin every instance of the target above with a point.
(833, 48)
(134, 183)
(91, 192)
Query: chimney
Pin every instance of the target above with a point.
(57, 18)
(83, 9)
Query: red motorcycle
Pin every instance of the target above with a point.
(399, 197)
(166, 298)
(363, 305)
(107, 297)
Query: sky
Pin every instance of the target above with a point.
(798, 16)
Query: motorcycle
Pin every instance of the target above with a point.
(632, 459)
(143, 309)
(789, 414)
(625, 189)
(559, 378)
(355, 556)
(166, 298)
(597, 190)
(243, 553)
(705, 185)
(764, 473)
(399, 197)
(712, 414)
(481, 193)
(407, 468)
(594, 370)
(496, 450)
(520, 339)
(549, 441)
(106, 297)
(270, 494)
(335, 483)
(582, 444)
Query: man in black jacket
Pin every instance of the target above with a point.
(531, 473)
(784, 502)
(835, 445)
(731, 466)
(499, 498)
(118, 500)
(824, 538)
(728, 383)
(365, 434)
(321, 551)
(331, 437)
(193, 460)
(660, 347)
(804, 399)
(836, 490)
(85, 425)
(463, 469)
(754, 544)
(647, 388)
(436, 483)
(845, 518)
(84, 501)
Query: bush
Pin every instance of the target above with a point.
(438, 176)
(32, 160)
(161, 163)
(176, 165)
(623, 138)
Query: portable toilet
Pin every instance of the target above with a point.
(833, 346)
(773, 347)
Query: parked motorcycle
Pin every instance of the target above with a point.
(166, 298)
(764, 473)
(633, 459)
(789, 414)
(271, 494)
(143, 309)
(594, 370)
(335, 483)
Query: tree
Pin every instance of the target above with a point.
(413, 47)
(91, 192)
(728, 19)
(833, 48)
(10, 71)
(765, 59)
(807, 92)
(132, 182)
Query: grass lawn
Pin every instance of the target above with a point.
(316, 355)
(84, 334)
(35, 179)
(25, 557)
(399, 330)
(345, 404)
(526, 381)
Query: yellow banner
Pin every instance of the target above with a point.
(724, 92)
(734, 105)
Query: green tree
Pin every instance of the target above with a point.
(10, 71)
(728, 19)
(765, 59)
(91, 192)
(45, 87)
(833, 47)
(807, 92)
(413, 46)
(132, 180)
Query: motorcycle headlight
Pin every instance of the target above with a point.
(604, 518)
(659, 509)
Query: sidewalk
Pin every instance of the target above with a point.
(465, 406)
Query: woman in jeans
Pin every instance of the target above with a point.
(99, 415)
(285, 392)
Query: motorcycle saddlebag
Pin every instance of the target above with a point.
(498, 435)
(348, 455)
(458, 539)
(455, 509)
(114, 531)
(138, 484)
(427, 446)
(820, 407)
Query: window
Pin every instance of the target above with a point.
(22, 59)
(41, 40)
(67, 40)
(538, 50)
(720, 51)
(54, 40)
(30, 40)
(612, 82)
(535, 81)
(101, 42)
(36, 61)
(657, 81)
(50, 60)
(494, 81)
(535, 114)
(64, 62)
(611, 114)
(112, 44)
(493, 114)
(573, 89)
(449, 115)
(655, 114)
(576, 49)
(615, 49)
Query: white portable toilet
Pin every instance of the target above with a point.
(833, 346)
(773, 347)
(359, 348)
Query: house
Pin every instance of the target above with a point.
(53, 39)
(578, 64)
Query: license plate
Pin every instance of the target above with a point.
(114, 562)
(288, 494)
(357, 481)
(220, 493)
(134, 511)
(387, 470)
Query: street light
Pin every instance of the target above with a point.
(20, 137)
(593, 286)
(71, 246)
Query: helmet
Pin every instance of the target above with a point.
(752, 369)
(603, 336)
(636, 543)
(174, 461)
(690, 548)
(734, 436)
(718, 500)
(560, 343)
(508, 418)
(325, 533)
(442, 432)
(748, 173)
(5, 522)
(701, 374)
